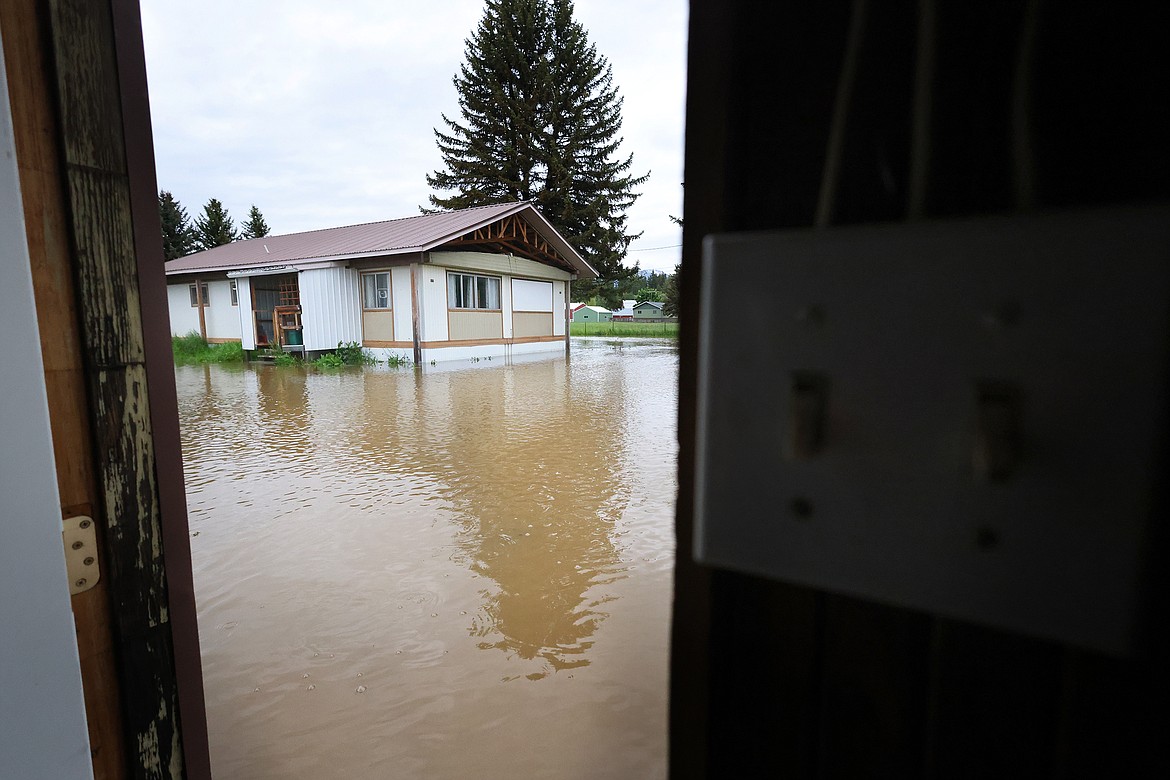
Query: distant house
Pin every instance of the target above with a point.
(625, 313)
(648, 310)
(592, 314)
(484, 281)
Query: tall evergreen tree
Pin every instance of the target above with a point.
(670, 304)
(540, 120)
(215, 227)
(255, 227)
(178, 236)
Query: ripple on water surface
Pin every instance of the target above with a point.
(422, 573)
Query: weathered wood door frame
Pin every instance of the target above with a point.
(86, 161)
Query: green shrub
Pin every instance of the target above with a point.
(188, 345)
(352, 354)
(329, 360)
(191, 349)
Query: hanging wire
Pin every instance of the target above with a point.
(831, 172)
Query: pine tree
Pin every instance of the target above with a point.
(670, 305)
(255, 227)
(648, 294)
(540, 121)
(215, 227)
(178, 237)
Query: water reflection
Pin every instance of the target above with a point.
(531, 479)
(488, 547)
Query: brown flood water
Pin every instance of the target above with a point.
(463, 572)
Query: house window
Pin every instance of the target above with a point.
(235, 293)
(195, 295)
(470, 291)
(376, 290)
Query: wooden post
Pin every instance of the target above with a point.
(199, 302)
(414, 314)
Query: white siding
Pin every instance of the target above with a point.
(331, 307)
(506, 306)
(184, 316)
(222, 319)
(560, 302)
(496, 351)
(497, 264)
(403, 318)
(247, 323)
(433, 302)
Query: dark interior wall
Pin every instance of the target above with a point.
(1029, 105)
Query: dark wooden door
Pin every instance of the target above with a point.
(810, 113)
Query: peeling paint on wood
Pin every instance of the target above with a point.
(106, 270)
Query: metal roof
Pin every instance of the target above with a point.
(406, 235)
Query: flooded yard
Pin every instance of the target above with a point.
(459, 572)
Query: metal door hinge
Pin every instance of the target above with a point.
(81, 553)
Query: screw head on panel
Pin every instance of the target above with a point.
(1004, 315)
(812, 315)
(801, 508)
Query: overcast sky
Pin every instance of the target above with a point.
(321, 112)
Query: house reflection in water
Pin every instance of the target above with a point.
(520, 459)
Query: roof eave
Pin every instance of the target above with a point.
(580, 264)
(299, 261)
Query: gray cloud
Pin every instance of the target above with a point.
(322, 114)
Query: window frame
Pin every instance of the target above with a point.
(389, 290)
(235, 292)
(475, 289)
(195, 300)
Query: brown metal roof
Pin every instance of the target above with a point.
(393, 237)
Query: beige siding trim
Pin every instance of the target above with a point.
(389, 344)
(377, 325)
(466, 324)
(532, 323)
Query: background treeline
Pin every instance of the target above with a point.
(214, 227)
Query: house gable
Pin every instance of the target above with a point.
(514, 235)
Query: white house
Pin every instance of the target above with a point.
(483, 281)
